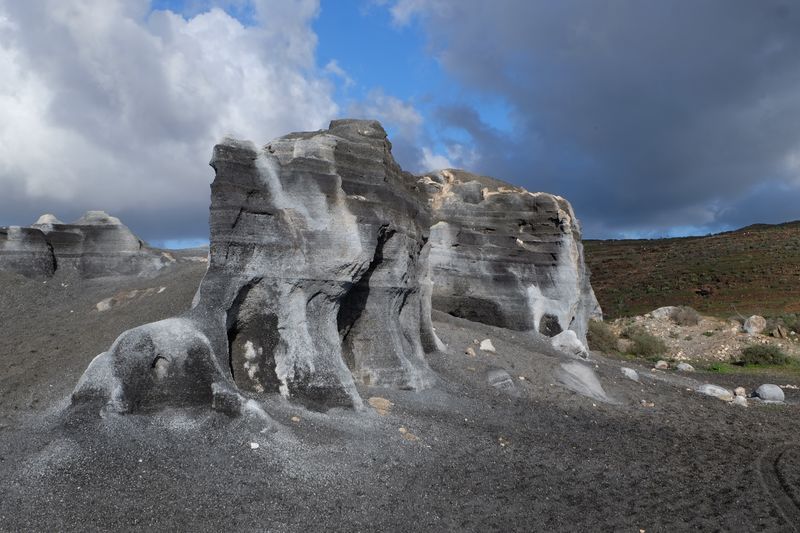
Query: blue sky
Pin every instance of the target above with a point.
(653, 119)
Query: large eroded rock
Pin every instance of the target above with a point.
(317, 278)
(95, 245)
(507, 257)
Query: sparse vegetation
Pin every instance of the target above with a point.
(685, 316)
(763, 354)
(644, 344)
(601, 338)
(708, 334)
(749, 271)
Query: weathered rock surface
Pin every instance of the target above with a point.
(769, 393)
(580, 378)
(755, 325)
(716, 391)
(317, 278)
(507, 257)
(95, 245)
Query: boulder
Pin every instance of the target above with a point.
(507, 257)
(716, 391)
(568, 342)
(661, 365)
(755, 325)
(580, 378)
(487, 346)
(317, 279)
(739, 400)
(685, 367)
(769, 393)
(630, 373)
(740, 391)
(664, 313)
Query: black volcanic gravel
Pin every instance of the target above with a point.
(460, 457)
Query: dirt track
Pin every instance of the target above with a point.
(471, 457)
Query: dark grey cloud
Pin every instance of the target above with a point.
(647, 115)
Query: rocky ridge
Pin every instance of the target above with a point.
(95, 245)
(325, 261)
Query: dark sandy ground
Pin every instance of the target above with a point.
(462, 456)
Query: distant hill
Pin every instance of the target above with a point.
(755, 269)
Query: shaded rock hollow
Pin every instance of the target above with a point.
(323, 268)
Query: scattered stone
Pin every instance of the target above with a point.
(739, 400)
(780, 332)
(769, 393)
(630, 373)
(755, 325)
(408, 435)
(503, 442)
(567, 341)
(661, 365)
(645, 403)
(487, 346)
(296, 419)
(685, 367)
(716, 391)
(253, 445)
(470, 351)
(501, 380)
(381, 405)
(740, 391)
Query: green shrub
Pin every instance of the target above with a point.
(600, 337)
(708, 333)
(644, 344)
(763, 354)
(685, 316)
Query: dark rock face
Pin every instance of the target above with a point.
(317, 278)
(93, 246)
(507, 257)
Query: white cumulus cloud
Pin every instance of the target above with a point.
(107, 105)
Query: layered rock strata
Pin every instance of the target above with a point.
(317, 279)
(507, 257)
(95, 245)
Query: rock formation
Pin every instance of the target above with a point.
(95, 245)
(316, 279)
(507, 257)
(319, 276)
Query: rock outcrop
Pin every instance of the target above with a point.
(507, 257)
(95, 245)
(317, 279)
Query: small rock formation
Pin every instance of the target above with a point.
(661, 365)
(580, 378)
(319, 278)
(755, 325)
(630, 373)
(769, 393)
(507, 257)
(685, 367)
(95, 245)
(716, 391)
(568, 342)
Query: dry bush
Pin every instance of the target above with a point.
(685, 316)
(600, 337)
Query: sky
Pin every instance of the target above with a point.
(654, 118)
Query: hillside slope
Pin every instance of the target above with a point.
(753, 270)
